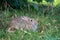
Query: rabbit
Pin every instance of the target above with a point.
(23, 22)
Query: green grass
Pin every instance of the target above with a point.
(48, 28)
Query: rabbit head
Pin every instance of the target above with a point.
(30, 22)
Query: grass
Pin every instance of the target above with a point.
(48, 28)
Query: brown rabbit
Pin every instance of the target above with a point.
(24, 22)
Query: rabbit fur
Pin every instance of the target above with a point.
(24, 22)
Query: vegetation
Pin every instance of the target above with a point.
(46, 12)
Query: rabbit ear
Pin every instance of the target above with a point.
(24, 18)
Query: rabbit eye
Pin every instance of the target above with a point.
(31, 20)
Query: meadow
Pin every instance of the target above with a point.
(48, 23)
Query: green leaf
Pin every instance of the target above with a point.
(35, 6)
(49, 0)
(38, 0)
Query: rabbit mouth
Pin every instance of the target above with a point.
(34, 27)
